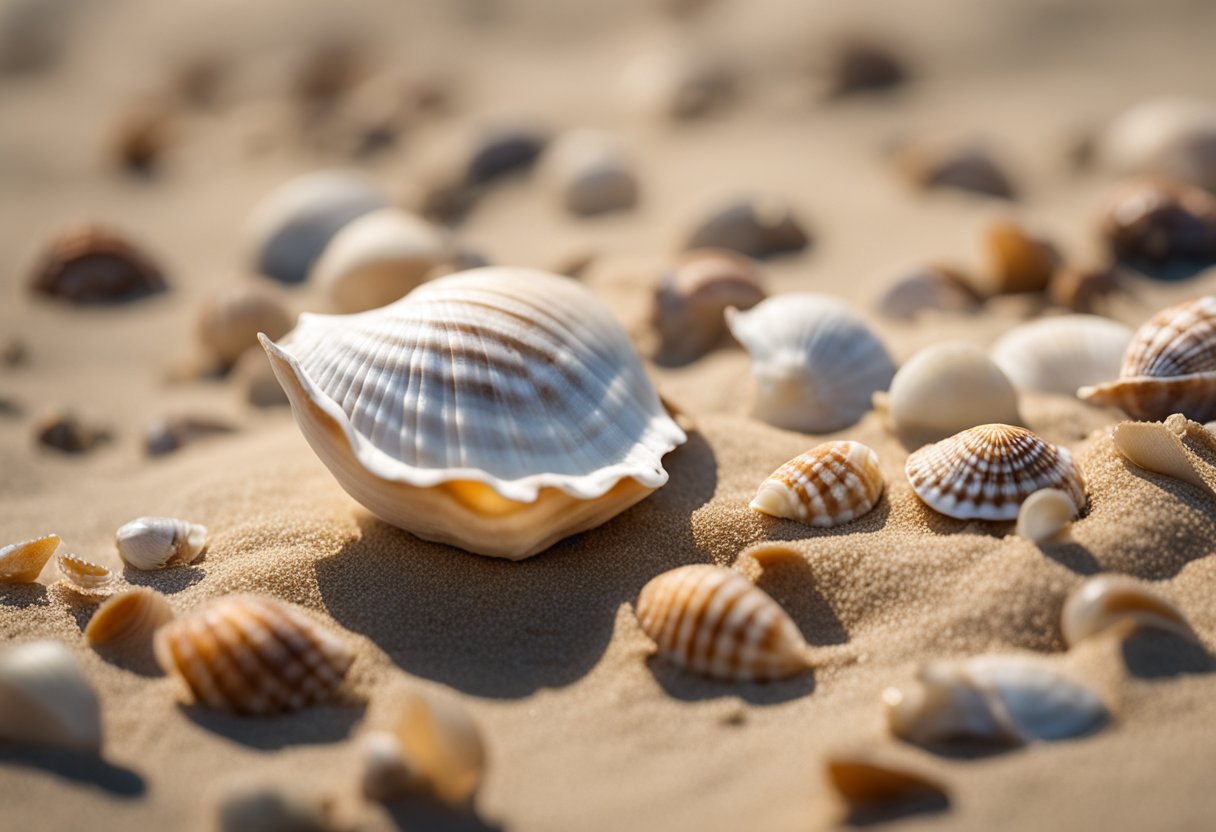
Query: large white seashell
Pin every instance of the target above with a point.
(498, 410)
(1058, 355)
(379, 258)
(590, 173)
(999, 699)
(129, 618)
(1106, 601)
(986, 472)
(831, 484)
(1045, 515)
(1174, 137)
(44, 698)
(20, 563)
(814, 360)
(157, 542)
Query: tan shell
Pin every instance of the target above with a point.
(831, 484)
(1106, 601)
(21, 563)
(866, 785)
(94, 264)
(1160, 226)
(926, 288)
(252, 655)
(1018, 260)
(129, 618)
(84, 576)
(1058, 355)
(45, 699)
(229, 320)
(589, 173)
(1169, 367)
(714, 622)
(157, 542)
(987, 472)
(1045, 515)
(691, 298)
(1159, 447)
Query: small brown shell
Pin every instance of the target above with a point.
(1158, 223)
(690, 300)
(229, 320)
(1105, 601)
(831, 484)
(93, 264)
(249, 654)
(21, 563)
(714, 622)
(927, 288)
(869, 786)
(966, 167)
(128, 618)
(1019, 261)
(85, 577)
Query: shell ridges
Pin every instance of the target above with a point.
(831, 484)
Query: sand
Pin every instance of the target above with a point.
(585, 729)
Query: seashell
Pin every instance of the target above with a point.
(1161, 227)
(714, 622)
(1010, 700)
(129, 618)
(265, 808)
(66, 432)
(860, 66)
(502, 152)
(1086, 289)
(1169, 366)
(1106, 601)
(45, 699)
(1018, 261)
(167, 434)
(966, 167)
(253, 375)
(21, 563)
(141, 138)
(1174, 137)
(1058, 355)
(868, 786)
(1160, 448)
(157, 542)
(690, 300)
(946, 388)
(518, 416)
(229, 320)
(1045, 515)
(926, 288)
(987, 472)
(290, 227)
(677, 84)
(815, 362)
(84, 576)
(378, 259)
(91, 264)
(831, 484)
(756, 227)
(590, 173)
(250, 654)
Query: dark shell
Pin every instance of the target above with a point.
(758, 228)
(92, 264)
(863, 66)
(1164, 228)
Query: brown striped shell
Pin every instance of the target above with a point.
(250, 654)
(712, 621)
(128, 618)
(831, 484)
(1169, 366)
(986, 472)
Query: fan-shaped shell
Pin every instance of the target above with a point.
(831, 484)
(84, 576)
(94, 264)
(714, 622)
(128, 618)
(815, 362)
(1106, 601)
(589, 173)
(1058, 355)
(252, 655)
(45, 699)
(986, 472)
(229, 320)
(1169, 366)
(691, 298)
(157, 542)
(1173, 137)
(499, 410)
(21, 563)
(1045, 515)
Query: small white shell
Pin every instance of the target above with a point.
(84, 576)
(1058, 355)
(1174, 137)
(229, 320)
(831, 484)
(814, 360)
(1045, 515)
(157, 542)
(21, 563)
(129, 618)
(590, 173)
(1158, 447)
(1106, 601)
(1001, 699)
(45, 700)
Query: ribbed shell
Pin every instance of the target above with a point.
(157, 542)
(986, 472)
(84, 576)
(20, 563)
(832, 483)
(129, 618)
(252, 655)
(1058, 355)
(714, 622)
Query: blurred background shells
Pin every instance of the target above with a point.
(917, 290)
(91, 264)
(1173, 137)
(230, 319)
(590, 173)
(1019, 260)
(21, 563)
(157, 542)
(1061, 354)
(1161, 227)
(34, 33)
(128, 619)
(166, 434)
(692, 297)
(1045, 515)
(263, 807)
(45, 699)
(759, 227)
(1102, 602)
(858, 64)
(67, 432)
(968, 166)
(253, 376)
(831, 484)
(504, 150)
(677, 83)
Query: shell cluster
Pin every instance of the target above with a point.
(691, 299)
(45, 699)
(157, 542)
(21, 563)
(1059, 355)
(831, 484)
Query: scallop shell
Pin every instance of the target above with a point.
(229, 320)
(378, 258)
(759, 227)
(870, 786)
(986, 472)
(498, 410)
(1018, 260)
(249, 654)
(1162, 227)
(815, 362)
(95, 264)
(714, 622)
(1160, 448)
(21, 563)
(1045, 515)
(590, 173)
(831, 484)
(128, 618)
(1010, 700)
(1058, 355)
(1174, 137)
(84, 576)
(1169, 366)
(946, 388)
(45, 699)
(690, 301)
(1106, 601)
(926, 288)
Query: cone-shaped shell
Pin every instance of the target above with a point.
(1105, 601)
(832, 483)
(987, 472)
(498, 410)
(45, 700)
(129, 618)
(157, 542)
(21, 562)
(1058, 355)
(714, 622)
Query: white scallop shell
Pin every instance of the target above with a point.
(1058, 355)
(589, 172)
(499, 410)
(814, 360)
(157, 542)
(1174, 137)
(44, 698)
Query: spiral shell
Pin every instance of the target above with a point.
(249, 654)
(229, 320)
(986, 472)
(1106, 601)
(498, 410)
(1058, 355)
(94, 264)
(714, 622)
(85, 577)
(831, 484)
(1169, 366)
(691, 298)
(157, 542)
(45, 699)
(21, 563)
(128, 618)
(815, 362)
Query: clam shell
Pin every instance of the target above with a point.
(498, 410)
(590, 173)
(926, 288)
(1009, 700)
(1174, 137)
(987, 472)
(229, 320)
(1045, 515)
(759, 227)
(714, 622)
(95, 264)
(129, 618)
(1162, 227)
(250, 654)
(1058, 355)
(870, 786)
(1169, 366)
(1106, 601)
(831, 484)
(84, 576)
(815, 362)
(1018, 260)
(1160, 448)
(21, 563)
(691, 299)
(157, 542)
(45, 700)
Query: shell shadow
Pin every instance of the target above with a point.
(318, 725)
(780, 529)
(680, 684)
(791, 583)
(928, 804)
(1072, 556)
(1155, 654)
(77, 767)
(23, 596)
(169, 581)
(496, 628)
(419, 813)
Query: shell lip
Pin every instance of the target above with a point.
(664, 433)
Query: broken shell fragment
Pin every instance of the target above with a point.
(85, 577)
(1159, 448)
(760, 228)
(157, 542)
(94, 264)
(868, 786)
(831, 484)
(1161, 227)
(1059, 355)
(590, 173)
(1106, 601)
(128, 619)
(45, 699)
(1045, 515)
(21, 563)
(691, 299)
(229, 320)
